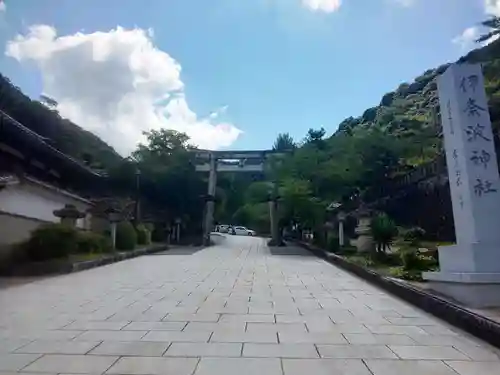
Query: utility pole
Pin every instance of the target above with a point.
(137, 212)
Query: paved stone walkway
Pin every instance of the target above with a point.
(233, 309)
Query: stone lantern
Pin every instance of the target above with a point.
(68, 215)
(114, 216)
(364, 243)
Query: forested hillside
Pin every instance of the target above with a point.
(63, 134)
(368, 151)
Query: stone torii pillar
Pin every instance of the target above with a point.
(273, 217)
(210, 203)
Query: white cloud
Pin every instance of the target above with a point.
(117, 84)
(327, 6)
(492, 7)
(467, 40)
(3, 7)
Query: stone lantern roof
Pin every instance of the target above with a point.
(69, 211)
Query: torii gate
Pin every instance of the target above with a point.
(232, 161)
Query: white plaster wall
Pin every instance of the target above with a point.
(33, 201)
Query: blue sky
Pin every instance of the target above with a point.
(249, 69)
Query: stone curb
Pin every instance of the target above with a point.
(80, 266)
(475, 324)
(58, 267)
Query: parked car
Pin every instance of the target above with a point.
(222, 228)
(243, 231)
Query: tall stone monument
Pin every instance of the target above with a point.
(470, 270)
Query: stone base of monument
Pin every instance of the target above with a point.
(469, 274)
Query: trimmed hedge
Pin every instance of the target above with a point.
(56, 241)
(126, 236)
(51, 241)
(89, 242)
(143, 235)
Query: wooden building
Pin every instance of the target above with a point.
(36, 179)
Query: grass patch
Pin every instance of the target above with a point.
(394, 264)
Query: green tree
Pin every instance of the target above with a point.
(284, 142)
(169, 181)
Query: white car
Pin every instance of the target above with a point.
(243, 231)
(222, 228)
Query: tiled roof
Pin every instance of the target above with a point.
(7, 122)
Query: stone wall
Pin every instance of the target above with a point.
(24, 206)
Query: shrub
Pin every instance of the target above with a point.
(51, 241)
(410, 259)
(388, 259)
(333, 244)
(126, 237)
(319, 239)
(347, 250)
(158, 234)
(413, 260)
(89, 242)
(414, 235)
(143, 235)
(384, 230)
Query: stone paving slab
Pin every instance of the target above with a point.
(72, 364)
(228, 309)
(239, 366)
(384, 367)
(131, 348)
(280, 350)
(356, 351)
(154, 366)
(327, 367)
(15, 362)
(181, 349)
(58, 347)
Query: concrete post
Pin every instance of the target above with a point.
(341, 233)
(113, 234)
(341, 219)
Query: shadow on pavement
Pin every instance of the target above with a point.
(290, 250)
(180, 250)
